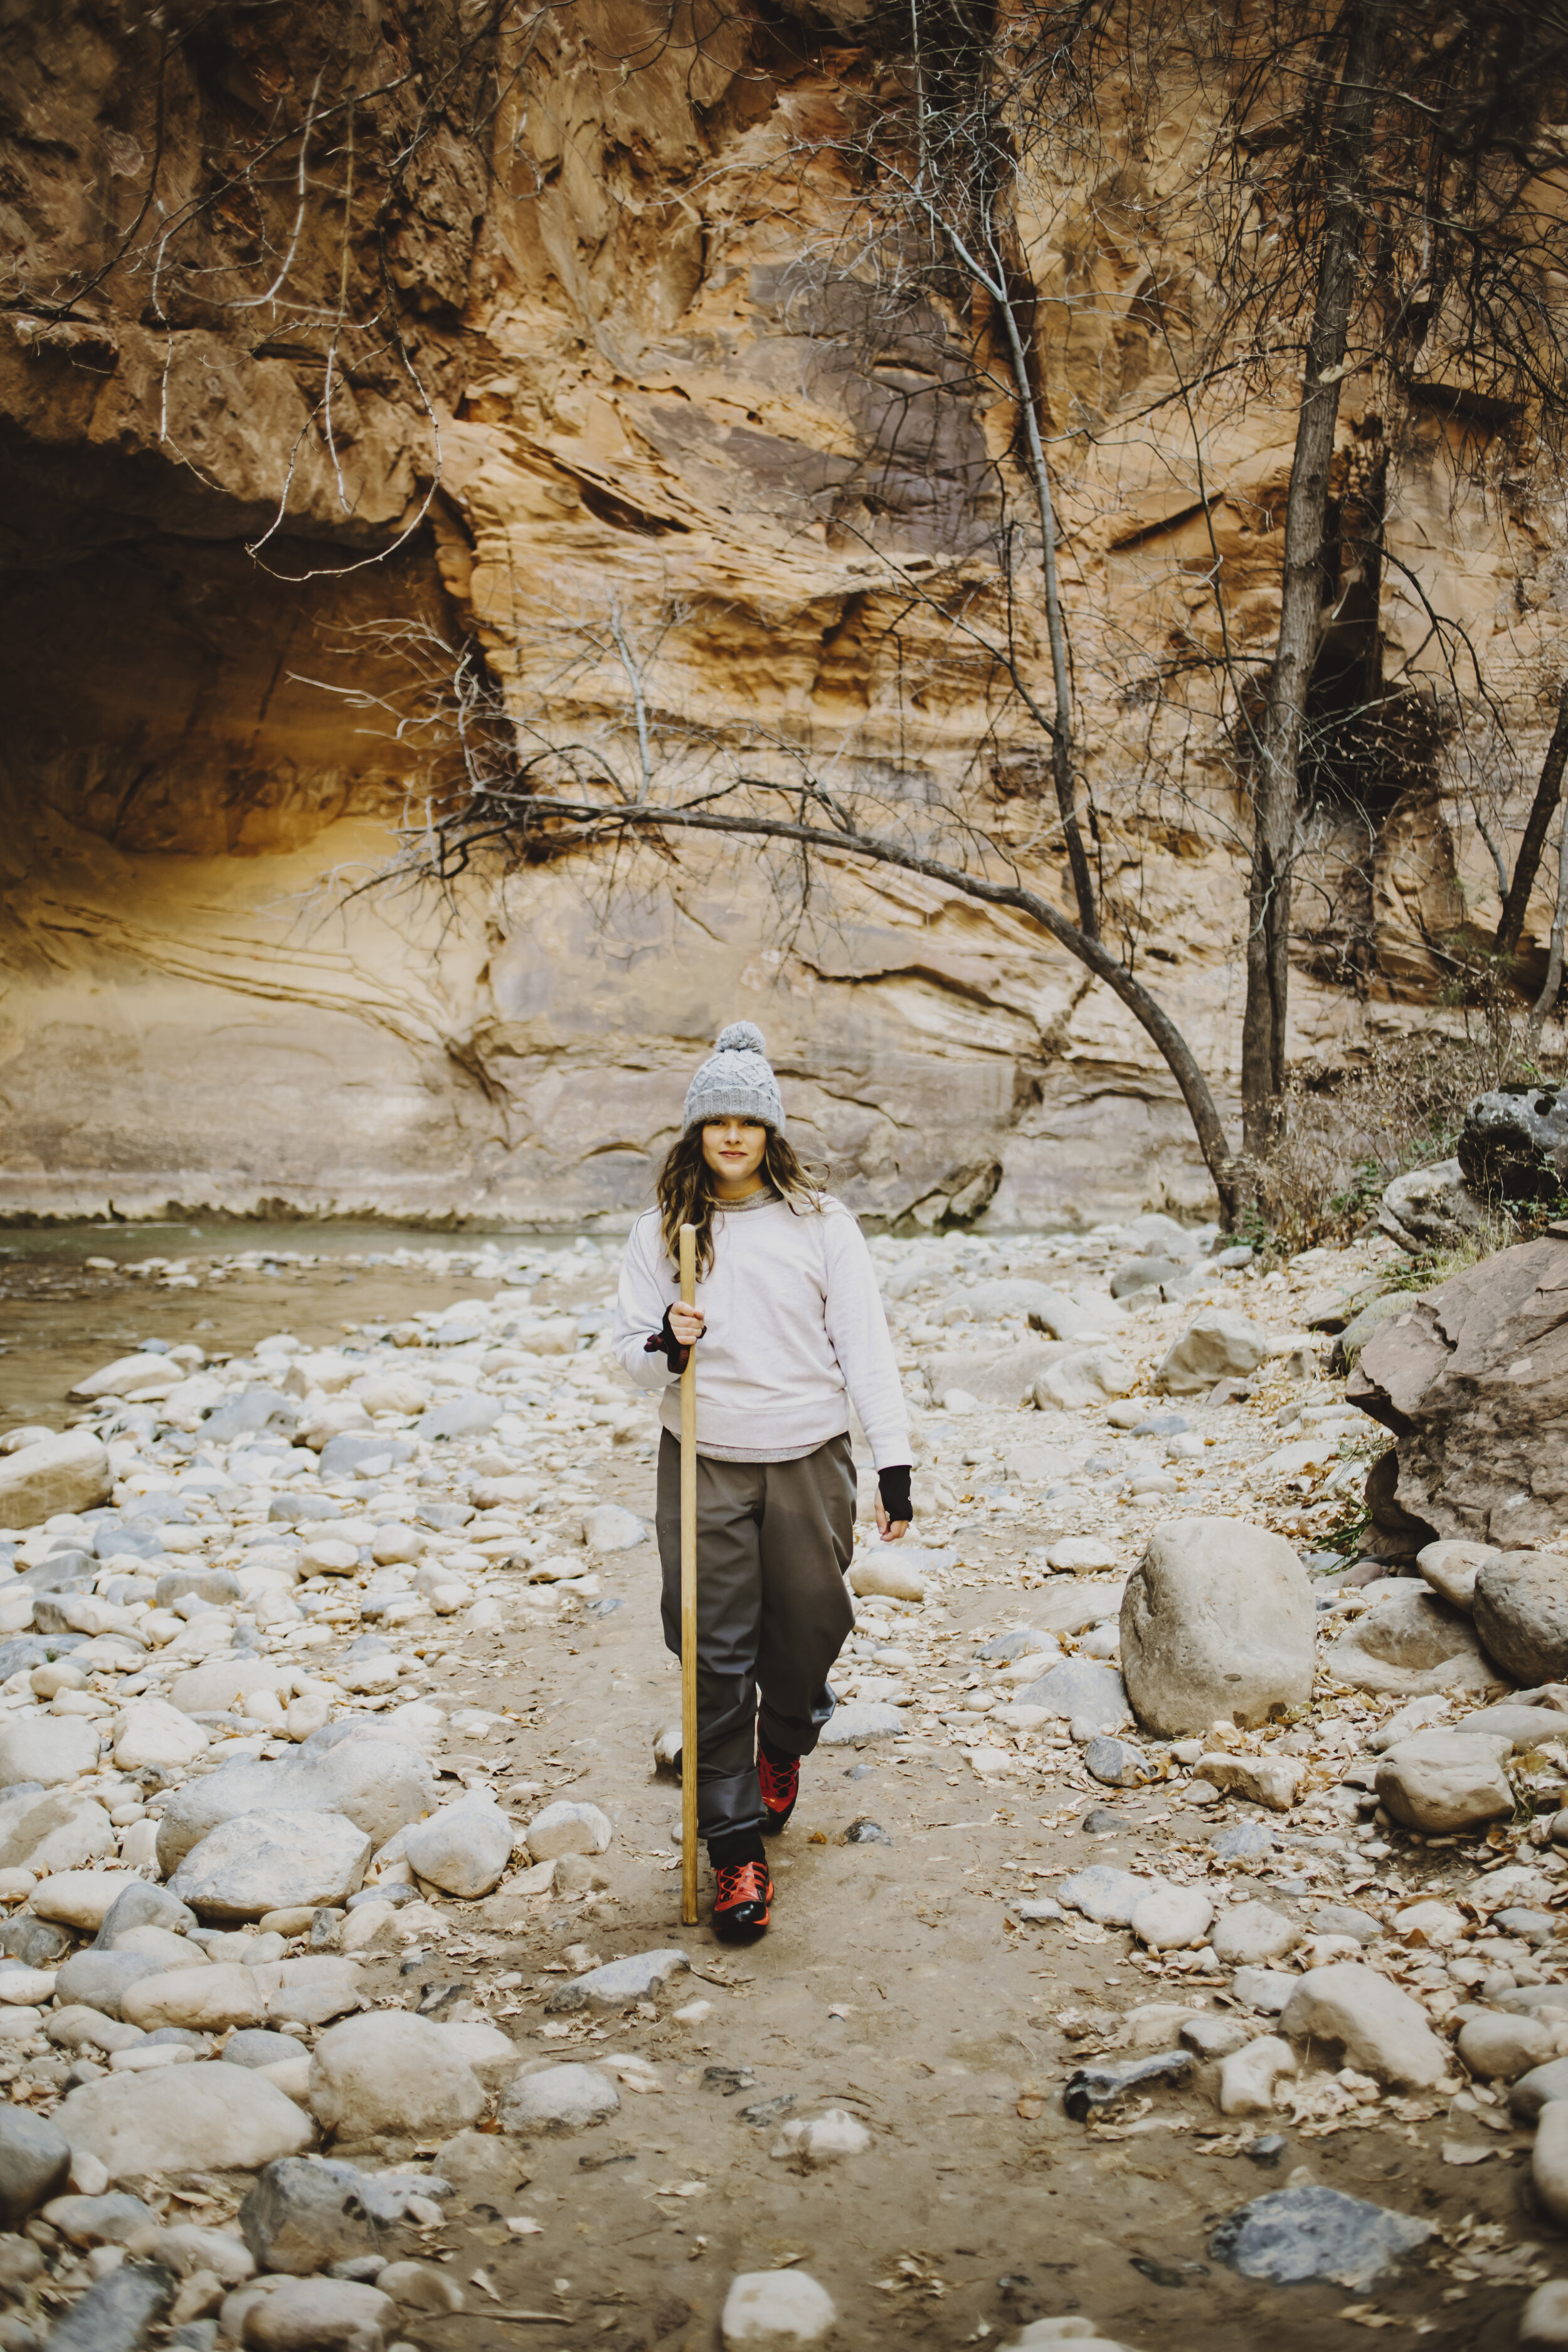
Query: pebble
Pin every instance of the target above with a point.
(1252, 1934)
(1216, 1345)
(420, 2286)
(1081, 1556)
(1247, 2076)
(80, 1898)
(150, 1732)
(259, 1862)
(1302, 2235)
(53, 1833)
(201, 2116)
(1115, 1762)
(1537, 2089)
(105, 2220)
(389, 2072)
(559, 2099)
(254, 2046)
(776, 2307)
(464, 1848)
(1382, 2030)
(820, 2140)
(1083, 1691)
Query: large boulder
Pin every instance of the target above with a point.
(1084, 1376)
(47, 1750)
(378, 1784)
(1410, 1643)
(1216, 1620)
(275, 1860)
(1349, 2010)
(1438, 1781)
(1521, 1604)
(391, 2071)
(1216, 1345)
(57, 1832)
(1513, 1145)
(1430, 1208)
(1473, 1383)
(58, 1474)
(177, 2119)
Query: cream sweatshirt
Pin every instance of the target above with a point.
(794, 1330)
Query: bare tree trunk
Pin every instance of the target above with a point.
(1548, 793)
(1553, 980)
(1301, 624)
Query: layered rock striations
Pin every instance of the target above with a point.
(528, 340)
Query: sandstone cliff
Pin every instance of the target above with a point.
(514, 334)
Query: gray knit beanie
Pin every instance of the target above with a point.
(735, 1082)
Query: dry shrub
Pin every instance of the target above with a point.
(1349, 1132)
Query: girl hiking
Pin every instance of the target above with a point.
(789, 1330)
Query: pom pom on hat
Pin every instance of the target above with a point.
(740, 1037)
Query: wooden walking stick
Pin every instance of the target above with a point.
(688, 1594)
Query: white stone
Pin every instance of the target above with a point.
(1442, 1780)
(205, 1999)
(1270, 1780)
(1172, 1918)
(1265, 1990)
(396, 1545)
(1251, 1935)
(1500, 2048)
(1382, 2030)
(464, 1848)
(59, 1474)
(389, 2071)
(150, 1732)
(776, 2307)
(55, 1831)
(567, 1827)
(223, 1685)
(1081, 1555)
(880, 1570)
(1433, 1922)
(1086, 1377)
(318, 2315)
(1217, 1344)
(559, 2099)
(1544, 2319)
(205, 2116)
(491, 2054)
(80, 1898)
(1217, 1623)
(1247, 2076)
(610, 1528)
(1451, 1569)
(49, 1750)
(272, 1861)
(1549, 2161)
(124, 1376)
(819, 2140)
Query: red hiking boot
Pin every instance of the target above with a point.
(740, 1905)
(781, 1787)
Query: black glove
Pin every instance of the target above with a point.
(893, 1485)
(675, 1354)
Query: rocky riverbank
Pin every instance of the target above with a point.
(1166, 1939)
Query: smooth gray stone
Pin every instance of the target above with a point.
(1344, 1919)
(32, 1650)
(379, 1785)
(118, 2313)
(1082, 1690)
(1021, 1644)
(637, 1978)
(1115, 1762)
(1524, 2001)
(1243, 1841)
(108, 2221)
(61, 1569)
(294, 1510)
(35, 2157)
(1534, 2091)
(343, 1454)
(254, 1408)
(102, 1979)
(866, 1833)
(1297, 2236)
(50, 1608)
(254, 2046)
(143, 1905)
(302, 2215)
(142, 1538)
(1145, 1274)
(1104, 1894)
(170, 1509)
(444, 1516)
(460, 1416)
(214, 1584)
(37, 1943)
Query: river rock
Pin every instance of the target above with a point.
(1085, 1692)
(150, 1732)
(1107, 1895)
(1382, 2030)
(81, 1899)
(465, 1847)
(1499, 2048)
(1172, 1918)
(1084, 1376)
(1270, 1780)
(1311, 2234)
(99, 1981)
(379, 1785)
(1473, 1383)
(1218, 1622)
(47, 1750)
(221, 1686)
(1080, 1556)
(1549, 2161)
(638, 1977)
(608, 1527)
(141, 1905)
(55, 1832)
(391, 2071)
(559, 2099)
(1409, 1643)
(273, 1861)
(320, 2315)
(567, 1827)
(116, 2312)
(1217, 1344)
(1544, 2319)
(34, 2159)
(209, 1999)
(1520, 1605)
(1538, 2088)
(881, 1568)
(1451, 1569)
(205, 2116)
(1443, 1780)
(1252, 1934)
(776, 2307)
(1247, 2076)
(308, 1990)
(258, 2047)
(58, 1474)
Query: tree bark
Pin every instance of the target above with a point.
(1277, 787)
(1548, 793)
(1551, 986)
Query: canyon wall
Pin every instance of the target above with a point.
(561, 367)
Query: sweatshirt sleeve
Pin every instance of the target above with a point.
(857, 1328)
(648, 1287)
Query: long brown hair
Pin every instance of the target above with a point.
(685, 1195)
